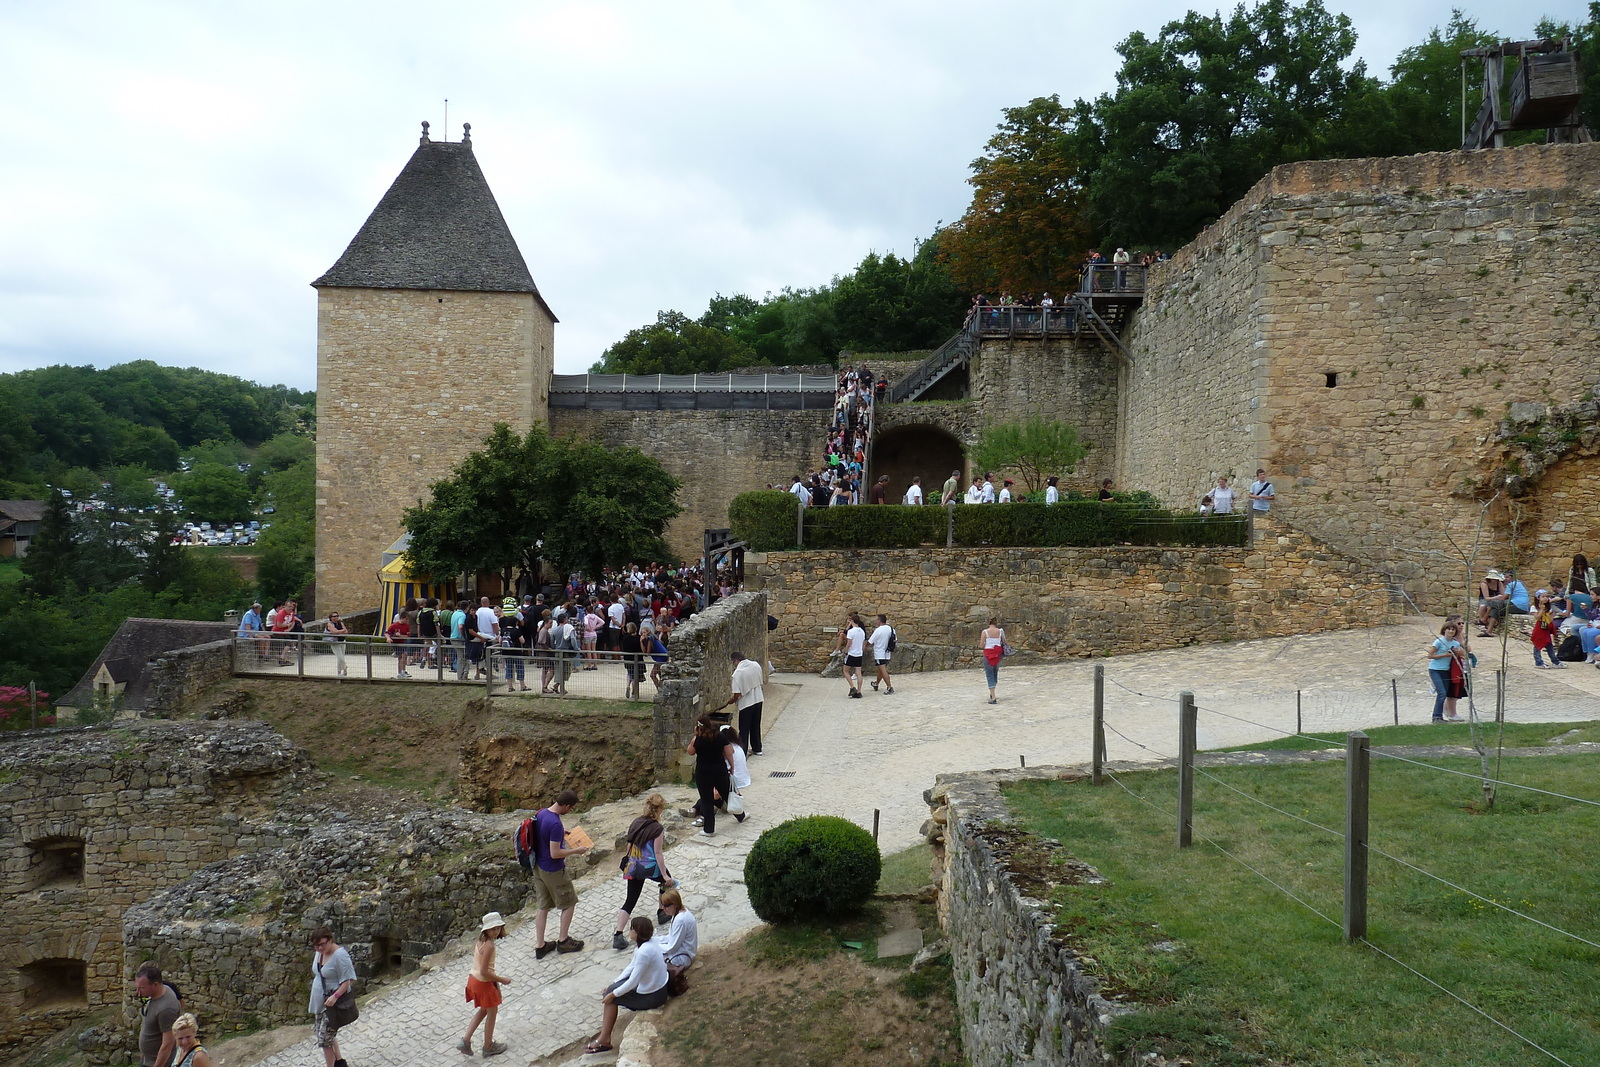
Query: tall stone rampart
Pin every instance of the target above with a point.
(1366, 329)
(409, 382)
(1066, 381)
(1057, 602)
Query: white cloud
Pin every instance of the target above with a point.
(175, 174)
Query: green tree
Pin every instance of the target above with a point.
(1206, 108)
(284, 451)
(213, 492)
(674, 344)
(591, 507)
(288, 548)
(1036, 448)
(52, 554)
(1026, 228)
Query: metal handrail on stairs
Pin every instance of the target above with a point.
(954, 352)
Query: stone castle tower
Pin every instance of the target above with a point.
(430, 330)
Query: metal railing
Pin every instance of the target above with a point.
(1113, 279)
(692, 383)
(498, 671)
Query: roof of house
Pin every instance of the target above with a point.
(23, 510)
(438, 227)
(131, 650)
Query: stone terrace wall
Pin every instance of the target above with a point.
(717, 454)
(236, 936)
(699, 674)
(1447, 292)
(148, 803)
(1057, 602)
(181, 676)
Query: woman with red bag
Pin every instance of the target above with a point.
(994, 649)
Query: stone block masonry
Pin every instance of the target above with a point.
(1014, 380)
(717, 454)
(699, 673)
(1362, 328)
(100, 819)
(410, 382)
(1056, 602)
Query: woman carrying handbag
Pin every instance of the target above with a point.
(332, 1000)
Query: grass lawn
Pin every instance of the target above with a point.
(1235, 972)
(1514, 735)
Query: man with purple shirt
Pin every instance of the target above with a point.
(552, 882)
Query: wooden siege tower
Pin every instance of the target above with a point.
(1546, 89)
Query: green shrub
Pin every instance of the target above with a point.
(817, 866)
(874, 526)
(763, 519)
(1089, 523)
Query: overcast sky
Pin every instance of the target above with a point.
(175, 174)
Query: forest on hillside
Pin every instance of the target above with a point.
(1204, 107)
(127, 456)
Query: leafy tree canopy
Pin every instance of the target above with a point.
(886, 304)
(590, 506)
(214, 492)
(1036, 448)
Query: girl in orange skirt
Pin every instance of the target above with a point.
(483, 986)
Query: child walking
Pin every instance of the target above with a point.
(483, 987)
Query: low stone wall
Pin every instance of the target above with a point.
(1057, 602)
(179, 677)
(1021, 996)
(237, 935)
(699, 674)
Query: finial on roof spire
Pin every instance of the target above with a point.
(424, 138)
(466, 133)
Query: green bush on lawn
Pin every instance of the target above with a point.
(817, 866)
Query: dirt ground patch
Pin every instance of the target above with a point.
(446, 745)
(798, 997)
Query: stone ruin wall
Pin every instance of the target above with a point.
(412, 381)
(1453, 295)
(717, 454)
(99, 819)
(1056, 602)
(1075, 383)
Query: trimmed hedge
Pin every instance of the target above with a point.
(765, 520)
(816, 866)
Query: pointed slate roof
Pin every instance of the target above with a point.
(131, 650)
(438, 227)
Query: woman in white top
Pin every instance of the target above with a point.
(641, 987)
(1052, 494)
(994, 645)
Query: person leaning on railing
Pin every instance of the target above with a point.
(336, 632)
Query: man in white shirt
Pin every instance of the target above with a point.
(975, 493)
(746, 683)
(914, 494)
(853, 640)
(880, 653)
(488, 622)
(988, 488)
(1222, 497)
(1052, 495)
(1005, 491)
(801, 493)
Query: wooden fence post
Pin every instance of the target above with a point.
(1357, 767)
(950, 525)
(799, 522)
(1186, 734)
(1099, 740)
(1394, 691)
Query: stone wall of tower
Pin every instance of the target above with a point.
(408, 382)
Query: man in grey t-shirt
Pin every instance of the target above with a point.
(156, 1043)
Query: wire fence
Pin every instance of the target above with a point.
(1325, 707)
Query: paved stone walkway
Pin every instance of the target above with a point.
(849, 757)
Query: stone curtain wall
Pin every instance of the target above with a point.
(410, 381)
(1021, 996)
(1072, 383)
(717, 454)
(1056, 602)
(151, 803)
(1448, 292)
(236, 937)
(699, 674)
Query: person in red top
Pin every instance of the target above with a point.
(399, 635)
(1544, 632)
(282, 623)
